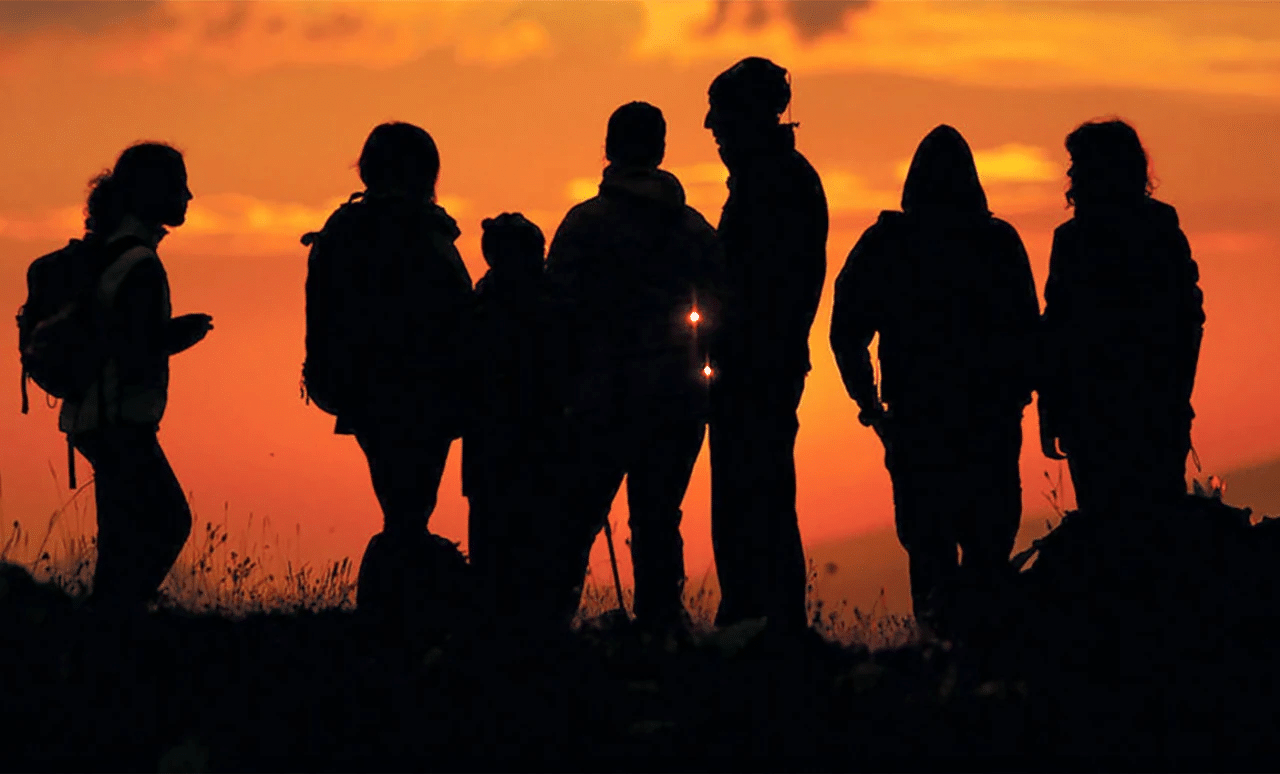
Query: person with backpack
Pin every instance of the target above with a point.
(949, 289)
(774, 231)
(97, 332)
(636, 270)
(1123, 321)
(387, 293)
(512, 368)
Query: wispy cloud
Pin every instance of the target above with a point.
(261, 222)
(245, 38)
(1012, 162)
(1011, 45)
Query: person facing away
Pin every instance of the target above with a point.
(511, 368)
(387, 293)
(1123, 321)
(949, 290)
(774, 232)
(142, 512)
(634, 269)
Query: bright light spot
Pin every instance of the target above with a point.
(694, 316)
(706, 370)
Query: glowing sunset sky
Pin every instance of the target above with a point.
(272, 101)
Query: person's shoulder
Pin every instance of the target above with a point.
(1162, 214)
(1066, 228)
(583, 214)
(696, 222)
(1004, 229)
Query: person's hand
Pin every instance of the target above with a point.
(1049, 444)
(873, 416)
(189, 329)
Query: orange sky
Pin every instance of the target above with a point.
(271, 102)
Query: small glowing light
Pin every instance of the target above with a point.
(694, 316)
(706, 370)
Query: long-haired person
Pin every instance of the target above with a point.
(1123, 321)
(387, 293)
(949, 289)
(111, 341)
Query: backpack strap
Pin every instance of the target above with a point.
(118, 269)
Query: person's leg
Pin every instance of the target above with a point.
(731, 430)
(143, 515)
(987, 536)
(583, 486)
(923, 519)
(787, 579)
(405, 469)
(660, 464)
(754, 526)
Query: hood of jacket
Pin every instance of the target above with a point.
(648, 184)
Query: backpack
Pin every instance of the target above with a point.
(323, 377)
(62, 335)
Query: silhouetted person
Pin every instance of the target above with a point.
(774, 232)
(1123, 321)
(386, 295)
(631, 266)
(949, 289)
(512, 369)
(143, 516)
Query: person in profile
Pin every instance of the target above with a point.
(98, 331)
(774, 232)
(512, 370)
(635, 269)
(387, 293)
(948, 288)
(1123, 321)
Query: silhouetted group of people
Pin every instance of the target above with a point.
(613, 352)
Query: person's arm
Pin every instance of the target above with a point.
(565, 267)
(1191, 317)
(791, 241)
(710, 284)
(1049, 366)
(854, 321)
(1023, 319)
(142, 323)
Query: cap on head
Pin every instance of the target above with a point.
(637, 135)
(754, 85)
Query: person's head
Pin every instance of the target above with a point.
(148, 182)
(400, 158)
(1108, 165)
(637, 136)
(746, 100)
(512, 244)
(942, 178)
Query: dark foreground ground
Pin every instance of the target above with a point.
(1144, 642)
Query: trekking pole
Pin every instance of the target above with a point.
(613, 561)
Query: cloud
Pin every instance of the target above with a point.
(1010, 163)
(1011, 45)
(19, 18)
(261, 222)
(246, 38)
(850, 193)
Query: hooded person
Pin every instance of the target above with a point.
(1123, 322)
(635, 270)
(774, 232)
(387, 294)
(949, 290)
